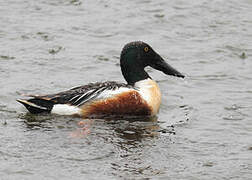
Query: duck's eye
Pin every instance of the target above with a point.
(146, 49)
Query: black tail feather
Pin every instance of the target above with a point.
(36, 106)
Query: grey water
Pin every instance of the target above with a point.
(204, 127)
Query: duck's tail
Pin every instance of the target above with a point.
(36, 106)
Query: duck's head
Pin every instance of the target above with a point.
(135, 56)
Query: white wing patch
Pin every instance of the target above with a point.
(110, 93)
(64, 109)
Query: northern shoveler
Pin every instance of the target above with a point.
(139, 97)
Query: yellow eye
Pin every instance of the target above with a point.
(146, 49)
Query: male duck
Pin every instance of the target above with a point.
(139, 97)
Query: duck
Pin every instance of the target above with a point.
(140, 96)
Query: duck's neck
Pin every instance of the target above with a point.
(134, 74)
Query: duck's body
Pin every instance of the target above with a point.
(140, 97)
(101, 99)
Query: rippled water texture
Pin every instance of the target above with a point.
(204, 127)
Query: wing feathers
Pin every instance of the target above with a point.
(83, 94)
(90, 95)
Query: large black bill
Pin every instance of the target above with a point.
(161, 65)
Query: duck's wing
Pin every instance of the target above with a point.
(83, 94)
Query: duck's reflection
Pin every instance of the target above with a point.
(132, 141)
(128, 141)
(47, 122)
(127, 130)
(138, 129)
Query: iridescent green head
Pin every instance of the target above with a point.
(135, 56)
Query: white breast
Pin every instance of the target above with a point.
(150, 92)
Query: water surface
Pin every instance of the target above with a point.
(203, 129)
